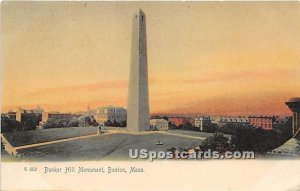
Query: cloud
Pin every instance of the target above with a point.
(71, 106)
(82, 87)
(236, 75)
(263, 103)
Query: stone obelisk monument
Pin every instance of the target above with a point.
(138, 101)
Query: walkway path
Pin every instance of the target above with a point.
(188, 136)
(8, 147)
(156, 132)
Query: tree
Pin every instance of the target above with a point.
(210, 127)
(185, 126)
(171, 125)
(123, 123)
(266, 140)
(60, 123)
(228, 128)
(243, 139)
(108, 123)
(166, 118)
(9, 125)
(255, 139)
(155, 117)
(87, 121)
(30, 121)
(74, 122)
(218, 142)
(115, 123)
(285, 130)
(84, 121)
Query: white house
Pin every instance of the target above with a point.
(110, 113)
(201, 121)
(159, 124)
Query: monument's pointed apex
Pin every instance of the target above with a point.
(141, 12)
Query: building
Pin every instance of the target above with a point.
(282, 119)
(29, 118)
(289, 148)
(179, 120)
(110, 113)
(222, 120)
(159, 124)
(292, 146)
(138, 100)
(215, 119)
(264, 122)
(201, 121)
(23, 114)
(294, 105)
(11, 115)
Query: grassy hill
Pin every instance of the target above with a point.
(20, 138)
(105, 147)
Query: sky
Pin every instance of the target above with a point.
(222, 58)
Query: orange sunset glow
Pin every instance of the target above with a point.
(203, 57)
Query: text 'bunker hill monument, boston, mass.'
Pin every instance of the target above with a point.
(138, 99)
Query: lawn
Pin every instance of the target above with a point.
(105, 147)
(20, 138)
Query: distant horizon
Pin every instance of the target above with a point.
(178, 114)
(229, 58)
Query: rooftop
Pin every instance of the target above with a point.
(294, 99)
(292, 146)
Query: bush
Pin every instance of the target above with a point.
(82, 121)
(115, 123)
(218, 142)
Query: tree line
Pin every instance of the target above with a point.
(244, 137)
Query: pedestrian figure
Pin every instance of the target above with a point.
(99, 130)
